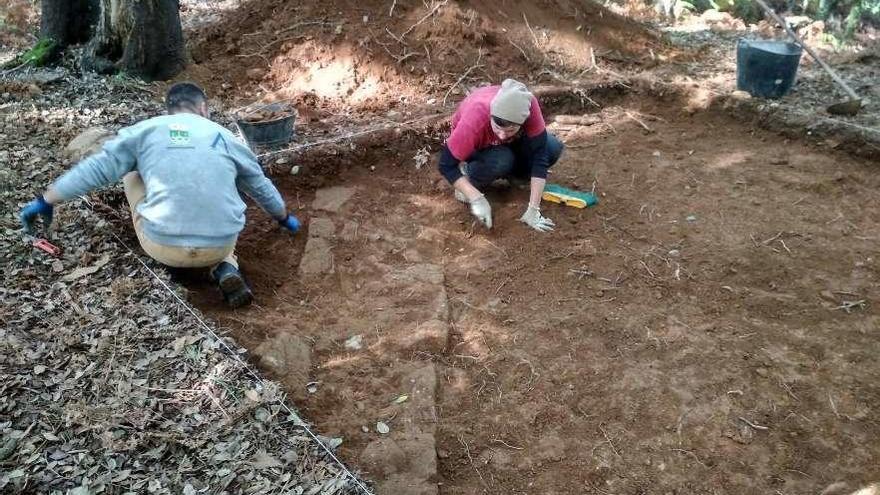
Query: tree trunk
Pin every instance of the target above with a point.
(139, 37)
(68, 22)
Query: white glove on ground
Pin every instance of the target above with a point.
(481, 209)
(533, 218)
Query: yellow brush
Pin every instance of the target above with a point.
(569, 197)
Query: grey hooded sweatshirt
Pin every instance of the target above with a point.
(193, 170)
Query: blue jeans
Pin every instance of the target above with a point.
(497, 162)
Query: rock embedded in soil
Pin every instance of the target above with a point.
(317, 258)
(287, 356)
(405, 485)
(430, 336)
(322, 227)
(355, 342)
(349, 231)
(403, 465)
(383, 457)
(332, 198)
(419, 413)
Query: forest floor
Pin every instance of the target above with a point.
(709, 327)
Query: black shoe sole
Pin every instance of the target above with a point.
(235, 290)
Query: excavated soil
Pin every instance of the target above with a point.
(707, 328)
(377, 54)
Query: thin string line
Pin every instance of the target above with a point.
(235, 356)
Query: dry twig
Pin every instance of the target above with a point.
(768, 241)
(534, 36)
(502, 442)
(463, 76)
(520, 49)
(782, 241)
(648, 269)
(691, 454)
(849, 305)
(396, 38)
(638, 121)
(753, 425)
(467, 451)
(833, 406)
(19, 66)
(607, 439)
(425, 18)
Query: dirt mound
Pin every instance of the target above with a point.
(376, 53)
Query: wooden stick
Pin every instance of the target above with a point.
(502, 442)
(535, 37)
(463, 76)
(467, 451)
(425, 18)
(520, 49)
(613, 449)
(852, 94)
(644, 125)
(19, 66)
(744, 420)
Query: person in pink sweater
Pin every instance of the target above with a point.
(499, 132)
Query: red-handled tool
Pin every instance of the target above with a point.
(44, 245)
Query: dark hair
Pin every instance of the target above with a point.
(184, 95)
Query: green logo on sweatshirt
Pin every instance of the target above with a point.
(179, 135)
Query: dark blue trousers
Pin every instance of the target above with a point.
(497, 162)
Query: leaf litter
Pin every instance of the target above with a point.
(107, 385)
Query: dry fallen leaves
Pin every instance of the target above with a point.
(105, 385)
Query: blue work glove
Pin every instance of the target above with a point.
(290, 223)
(37, 207)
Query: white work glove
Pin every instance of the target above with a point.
(533, 218)
(482, 211)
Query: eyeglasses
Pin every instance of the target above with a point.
(504, 124)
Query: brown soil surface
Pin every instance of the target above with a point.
(712, 76)
(707, 328)
(356, 53)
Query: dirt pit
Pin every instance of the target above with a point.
(707, 328)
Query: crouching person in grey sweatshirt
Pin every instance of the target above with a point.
(182, 175)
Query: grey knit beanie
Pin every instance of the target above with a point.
(512, 102)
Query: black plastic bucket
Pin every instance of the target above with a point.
(766, 69)
(269, 133)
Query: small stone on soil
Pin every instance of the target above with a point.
(354, 343)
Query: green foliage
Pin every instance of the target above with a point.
(686, 5)
(847, 15)
(39, 55)
(853, 12)
(830, 39)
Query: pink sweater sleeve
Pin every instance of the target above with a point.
(463, 141)
(534, 125)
